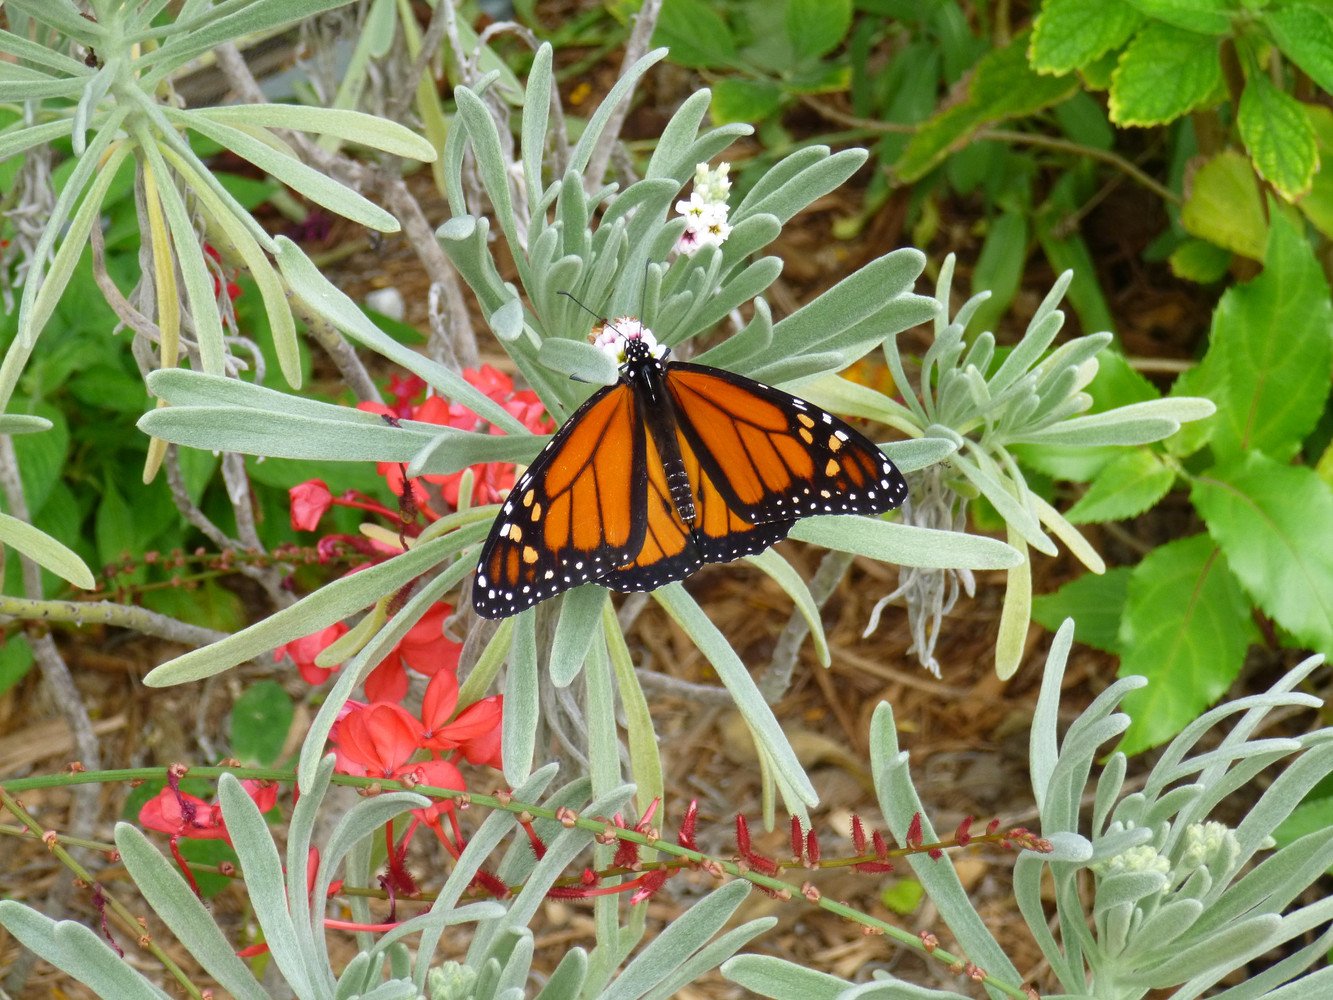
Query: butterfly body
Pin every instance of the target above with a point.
(673, 466)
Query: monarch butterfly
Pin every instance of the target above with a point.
(673, 466)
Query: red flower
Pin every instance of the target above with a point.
(303, 652)
(476, 730)
(424, 649)
(181, 814)
(376, 741)
(492, 481)
(310, 501)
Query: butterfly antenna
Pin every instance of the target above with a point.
(600, 319)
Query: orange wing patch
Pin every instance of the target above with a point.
(576, 513)
(774, 457)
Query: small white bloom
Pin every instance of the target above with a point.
(712, 185)
(1144, 858)
(613, 337)
(1212, 844)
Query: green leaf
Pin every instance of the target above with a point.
(1164, 72)
(999, 267)
(1096, 602)
(1279, 136)
(1125, 487)
(1223, 206)
(1270, 355)
(1200, 261)
(739, 100)
(1310, 816)
(1318, 202)
(1003, 86)
(15, 660)
(260, 720)
(1210, 17)
(1186, 627)
(817, 27)
(903, 896)
(1069, 34)
(115, 526)
(696, 34)
(1274, 522)
(1304, 33)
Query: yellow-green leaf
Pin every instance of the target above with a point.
(1222, 206)
(1163, 73)
(1279, 136)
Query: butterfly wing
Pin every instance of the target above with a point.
(775, 458)
(673, 550)
(577, 512)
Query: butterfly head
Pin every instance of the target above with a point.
(628, 341)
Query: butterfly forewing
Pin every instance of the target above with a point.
(577, 512)
(774, 457)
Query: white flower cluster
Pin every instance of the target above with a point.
(706, 210)
(1144, 858)
(1210, 844)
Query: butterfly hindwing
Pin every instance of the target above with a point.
(775, 457)
(577, 512)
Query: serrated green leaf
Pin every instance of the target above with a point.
(816, 27)
(1096, 602)
(1274, 521)
(696, 34)
(1317, 205)
(1125, 487)
(1186, 627)
(1223, 206)
(260, 720)
(1164, 72)
(1211, 17)
(1304, 33)
(1003, 86)
(739, 100)
(1279, 136)
(1069, 34)
(1200, 261)
(1271, 351)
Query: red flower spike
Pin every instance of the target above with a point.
(881, 848)
(992, 826)
(538, 847)
(484, 881)
(914, 837)
(626, 856)
(963, 835)
(651, 882)
(742, 836)
(763, 865)
(935, 853)
(874, 867)
(685, 838)
(858, 834)
(812, 849)
(797, 841)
